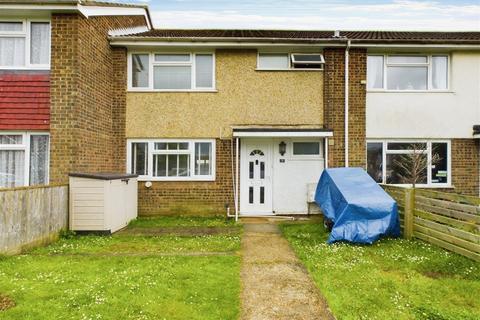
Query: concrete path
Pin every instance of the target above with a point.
(275, 284)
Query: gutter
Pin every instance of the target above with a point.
(132, 39)
(347, 58)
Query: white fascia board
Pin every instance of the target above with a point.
(417, 46)
(217, 44)
(38, 7)
(272, 134)
(476, 136)
(86, 11)
(93, 11)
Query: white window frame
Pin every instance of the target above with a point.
(190, 151)
(25, 147)
(290, 61)
(429, 183)
(26, 33)
(152, 63)
(428, 64)
(319, 156)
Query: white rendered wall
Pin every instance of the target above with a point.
(449, 114)
(291, 178)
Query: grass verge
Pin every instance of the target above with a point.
(182, 221)
(128, 244)
(392, 279)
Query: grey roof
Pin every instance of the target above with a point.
(311, 36)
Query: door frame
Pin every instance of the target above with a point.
(268, 150)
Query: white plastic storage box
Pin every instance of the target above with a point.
(103, 202)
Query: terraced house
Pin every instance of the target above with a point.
(238, 119)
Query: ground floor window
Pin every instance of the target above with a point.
(155, 159)
(398, 162)
(24, 159)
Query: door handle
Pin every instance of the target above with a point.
(125, 180)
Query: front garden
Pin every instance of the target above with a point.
(392, 279)
(189, 268)
(128, 276)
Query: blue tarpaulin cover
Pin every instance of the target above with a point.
(361, 211)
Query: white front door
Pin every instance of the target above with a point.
(256, 177)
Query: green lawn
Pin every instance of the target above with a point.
(126, 277)
(392, 279)
(130, 244)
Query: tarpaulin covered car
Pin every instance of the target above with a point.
(360, 210)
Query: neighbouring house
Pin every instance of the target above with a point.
(244, 119)
(60, 94)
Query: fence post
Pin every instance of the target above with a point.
(408, 214)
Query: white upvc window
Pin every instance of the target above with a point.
(24, 158)
(400, 72)
(305, 149)
(24, 44)
(290, 61)
(385, 159)
(172, 159)
(161, 71)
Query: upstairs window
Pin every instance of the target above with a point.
(290, 61)
(307, 61)
(172, 71)
(407, 72)
(273, 61)
(24, 44)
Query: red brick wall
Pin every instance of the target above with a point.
(334, 104)
(192, 197)
(84, 94)
(466, 166)
(357, 108)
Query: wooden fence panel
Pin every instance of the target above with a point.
(31, 216)
(447, 220)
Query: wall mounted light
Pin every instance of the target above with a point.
(282, 148)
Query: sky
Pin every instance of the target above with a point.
(460, 15)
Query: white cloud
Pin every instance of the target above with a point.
(397, 15)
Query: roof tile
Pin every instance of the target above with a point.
(368, 36)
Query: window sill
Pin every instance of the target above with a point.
(186, 179)
(170, 91)
(421, 186)
(409, 91)
(25, 68)
(286, 70)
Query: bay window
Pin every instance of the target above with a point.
(24, 44)
(407, 72)
(24, 159)
(172, 71)
(390, 161)
(172, 159)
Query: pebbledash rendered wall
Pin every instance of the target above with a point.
(87, 109)
(246, 97)
(31, 216)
